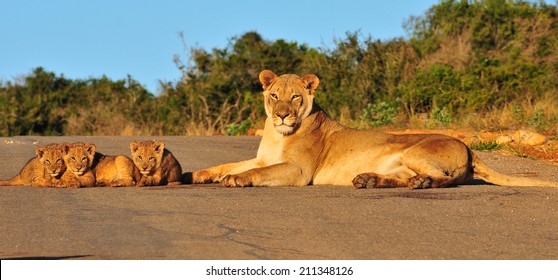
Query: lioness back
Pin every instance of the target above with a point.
(156, 164)
(115, 171)
(44, 170)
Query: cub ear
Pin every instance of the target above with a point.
(91, 148)
(134, 145)
(40, 151)
(266, 78)
(311, 82)
(159, 146)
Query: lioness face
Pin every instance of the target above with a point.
(288, 99)
(79, 157)
(51, 157)
(147, 156)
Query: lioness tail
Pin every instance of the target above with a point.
(484, 172)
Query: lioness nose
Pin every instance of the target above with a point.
(282, 115)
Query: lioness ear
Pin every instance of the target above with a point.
(159, 146)
(311, 82)
(90, 148)
(40, 151)
(266, 78)
(134, 145)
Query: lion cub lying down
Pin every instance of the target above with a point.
(157, 164)
(302, 145)
(45, 170)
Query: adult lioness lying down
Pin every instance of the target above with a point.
(301, 145)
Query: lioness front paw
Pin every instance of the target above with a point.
(235, 181)
(203, 177)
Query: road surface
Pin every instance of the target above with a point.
(314, 222)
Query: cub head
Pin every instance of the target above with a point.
(147, 156)
(51, 157)
(79, 157)
(288, 99)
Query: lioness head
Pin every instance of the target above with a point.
(51, 157)
(147, 156)
(79, 157)
(288, 99)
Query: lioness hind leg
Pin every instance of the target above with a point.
(372, 180)
(424, 182)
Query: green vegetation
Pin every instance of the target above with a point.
(489, 64)
(485, 146)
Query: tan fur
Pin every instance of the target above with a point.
(79, 159)
(157, 164)
(301, 145)
(44, 170)
(115, 171)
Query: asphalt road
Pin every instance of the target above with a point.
(315, 222)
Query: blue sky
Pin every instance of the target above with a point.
(87, 39)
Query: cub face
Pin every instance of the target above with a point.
(51, 158)
(147, 156)
(79, 157)
(288, 99)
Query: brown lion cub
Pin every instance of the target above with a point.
(157, 164)
(79, 159)
(115, 171)
(44, 170)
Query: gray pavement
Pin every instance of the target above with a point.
(315, 222)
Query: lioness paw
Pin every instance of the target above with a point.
(202, 177)
(365, 181)
(236, 181)
(420, 182)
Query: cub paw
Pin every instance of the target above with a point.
(420, 182)
(365, 181)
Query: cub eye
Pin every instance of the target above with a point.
(58, 161)
(152, 159)
(83, 159)
(295, 97)
(273, 96)
(73, 159)
(139, 157)
(47, 162)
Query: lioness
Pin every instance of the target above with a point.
(44, 170)
(301, 145)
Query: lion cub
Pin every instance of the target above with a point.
(157, 164)
(44, 170)
(79, 160)
(115, 171)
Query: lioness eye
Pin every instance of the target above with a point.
(273, 95)
(295, 97)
